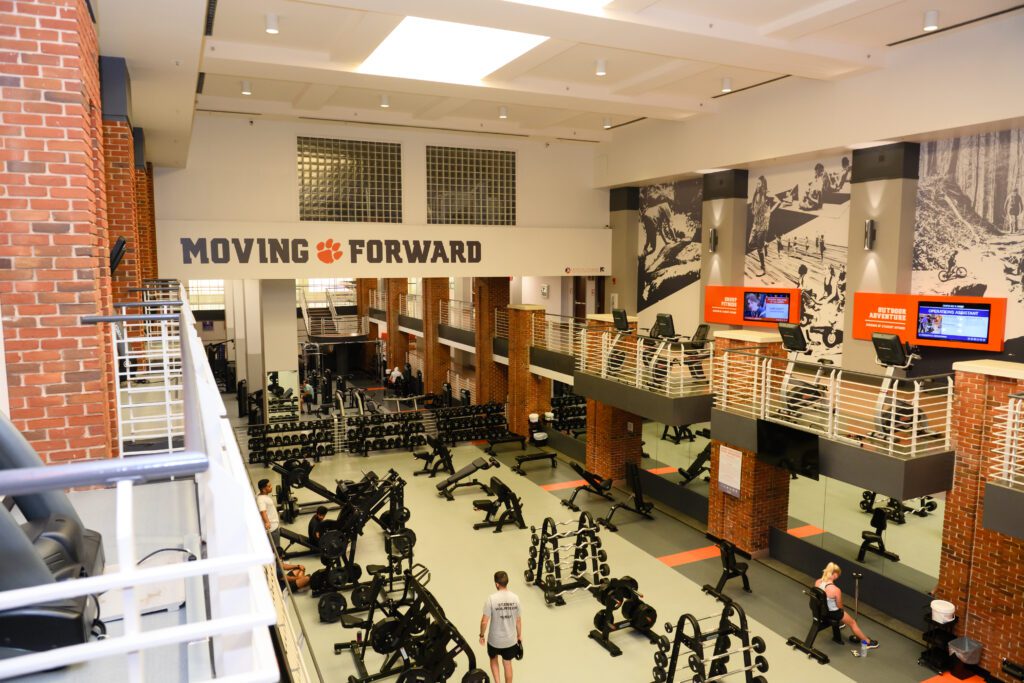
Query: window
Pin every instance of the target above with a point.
(206, 295)
(349, 180)
(471, 186)
(342, 291)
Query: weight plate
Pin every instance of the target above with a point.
(362, 596)
(602, 620)
(661, 659)
(330, 607)
(353, 572)
(386, 635)
(414, 675)
(629, 607)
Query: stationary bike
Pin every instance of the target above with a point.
(802, 400)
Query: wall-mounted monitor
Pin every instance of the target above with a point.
(965, 323)
(766, 306)
(791, 449)
(620, 319)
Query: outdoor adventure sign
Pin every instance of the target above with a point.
(235, 250)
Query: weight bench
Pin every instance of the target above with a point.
(448, 486)
(306, 545)
(507, 437)
(872, 540)
(820, 620)
(731, 569)
(700, 465)
(635, 502)
(505, 499)
(594, 484)
(439, 452)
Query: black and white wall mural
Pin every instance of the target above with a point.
(969, 232)
(797, 229)
(669, 244)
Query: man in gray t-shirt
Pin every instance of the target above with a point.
(504, 635)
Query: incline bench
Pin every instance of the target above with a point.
(504, 498)
(594, 484)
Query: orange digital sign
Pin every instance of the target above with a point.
(755, 306)
(957, 322)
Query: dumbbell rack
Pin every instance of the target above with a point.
(585, 568)
(311, 439)
(470, 423)
(282, 409)
(382, 431)
(570, 412)
(732, 623)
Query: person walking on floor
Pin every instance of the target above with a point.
(502, 627)
(267, 506)
(834, 596)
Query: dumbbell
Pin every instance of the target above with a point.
(757, 645)
(760, 663)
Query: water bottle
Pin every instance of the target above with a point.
(863, 648)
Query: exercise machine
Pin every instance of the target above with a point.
(821, 620)
(873, 541)
(700, 465)
(731, 569)
(539, 438)
(437, 459)
(803, 402)
(599, 486)
(635, 503)
(504, 508)
(447, 488)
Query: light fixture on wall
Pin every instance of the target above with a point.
(601, 68)
(713, 240)
(502, 112)
(869, 234)
(246, 87)
(271, 27)
(607, 123)
(726, 84)
(931, 20)
(385, 101)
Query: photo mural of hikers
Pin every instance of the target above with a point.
(969, 222)
(670, 238)
(797, 225)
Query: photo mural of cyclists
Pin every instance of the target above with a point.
(669, 245)
(797, 228)
(969, 222)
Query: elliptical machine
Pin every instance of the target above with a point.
(802, 401)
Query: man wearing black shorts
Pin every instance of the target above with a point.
(502, 627)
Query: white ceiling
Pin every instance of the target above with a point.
(665, 59)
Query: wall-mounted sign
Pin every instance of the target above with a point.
(754, 306)
(958, 322)
(230, 250)
(730, 470)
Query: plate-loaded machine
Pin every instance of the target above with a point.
(446, 488)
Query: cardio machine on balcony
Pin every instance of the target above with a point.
(803, 401)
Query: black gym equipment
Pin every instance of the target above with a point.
(700, 465)
(539, 438)
(732, 624)
(622, 595)
(504, 437)
(803, 401)
(288, 505)
(635, 503)
(821, 619)
(447, 487)
(593, 483)
(504, 508)
(561, 568)
(437, 459)
(873, 541)
(731, 569)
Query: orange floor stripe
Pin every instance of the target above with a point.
(480, 442)
(688, 556)
(564, 485)
(805, 531)
(662, 470)
(375, 389)
(946, 677)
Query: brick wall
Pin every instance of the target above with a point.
(53, 234)
(979, 570)
(146, 218)
(437, 358)
(614, 438)
(122, 220)
(527, 393)
(398, 342)
(763, 502)
(489, 293)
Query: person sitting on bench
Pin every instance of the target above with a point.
(448, 486)
(316, 525)
(873, 542)
(700, 465)
(834, 600)
(594, 484)
(505, 498)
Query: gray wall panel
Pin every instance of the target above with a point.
(455, 334)
(734, 430)
(670, 411)
(1003, 507)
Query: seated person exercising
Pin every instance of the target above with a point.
(316, 525)
(835, 602)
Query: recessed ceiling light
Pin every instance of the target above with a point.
(444, 51)
(931, 20)
(385, 101)
(502, 112)
(726, 84)
(272, 28)
(578, 6)
(246, 87)
(601, 68)
(607, 123)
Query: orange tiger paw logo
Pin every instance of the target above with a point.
(328, 251)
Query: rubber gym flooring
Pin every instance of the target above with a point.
(462, 560)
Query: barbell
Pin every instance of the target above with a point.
(756, 645)
(760, 663)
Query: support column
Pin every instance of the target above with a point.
(363, 287)
(254, 336)
(145, 211)
(724, 214)
(624, 220)
(398, 343)
(280, 336)
(489, 294)
(119, 174)
(978, 567)
(883, 189)
(614, 438)
(238, 314)
(527, 392)
(437, 358)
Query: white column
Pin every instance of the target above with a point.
(229, 319)
(280, 337)
(253, 336)
(238, 323)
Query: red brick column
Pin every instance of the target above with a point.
(489, 294)
(146, 217)
(979, 570)
(437, 357)
(53, 234)
(364, 286)
(614, 438)
(398, 343)
(527, 392)
(122, 221)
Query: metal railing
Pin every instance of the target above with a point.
(669, 368)
(501, 323)
(225, 627)
(460, 382)
(378, 300)
(904, 417)
(458, 314)
(558, 333)
(1009, 431)
(415, 360)
(410, 305)
(325, 321)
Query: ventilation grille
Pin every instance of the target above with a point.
(471, 186)
(349, 180)
(211, 12)
(200, 82)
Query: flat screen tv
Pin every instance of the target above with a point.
(620, 319)
(953, 322)
(768, 307)
(791, 449)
